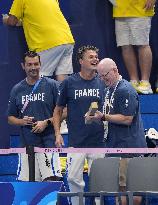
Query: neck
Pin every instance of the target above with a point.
(88, 75)
(32, 81)
(119, 77)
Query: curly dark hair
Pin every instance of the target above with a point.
(83, 49)
(31, 54)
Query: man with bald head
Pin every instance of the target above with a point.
(121, 115)
(121, 112)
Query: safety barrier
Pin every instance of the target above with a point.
(30, 150)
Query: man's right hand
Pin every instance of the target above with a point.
(96, 117)
(27, 120)
(59, 142)
(5, 18)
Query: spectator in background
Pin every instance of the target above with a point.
(47, 33)
(77, 92)
(132, 28)
(121, 116)
(31, 105)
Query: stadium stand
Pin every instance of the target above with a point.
(94, 16)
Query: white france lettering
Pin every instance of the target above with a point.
(80, 93)
(94, 92)
(98, 93)
(89, 92)
(43, 96)
(76, 93)
(23, 100)
(39, 96)
(27, 97)
(31, 98)
(84, 92)
(35, 97)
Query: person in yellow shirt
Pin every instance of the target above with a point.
(132, 28)
(47, 33)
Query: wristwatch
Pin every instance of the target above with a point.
(49, 122)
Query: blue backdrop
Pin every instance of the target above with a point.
(91, 23)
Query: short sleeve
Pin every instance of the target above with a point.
(12, 108)
(62, 97)
(17, 9)
(127, 103)
(55, 91)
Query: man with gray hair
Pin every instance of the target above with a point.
(121, 116)
(121, 109)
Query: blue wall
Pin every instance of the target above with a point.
(91, 23)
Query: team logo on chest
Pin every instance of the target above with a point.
(33, 97)
(86, 93)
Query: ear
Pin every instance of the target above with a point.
(80, 61)
(22, 65)
(115, 70)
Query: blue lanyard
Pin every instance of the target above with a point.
(35, 86)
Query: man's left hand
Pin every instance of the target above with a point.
(39, 126)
